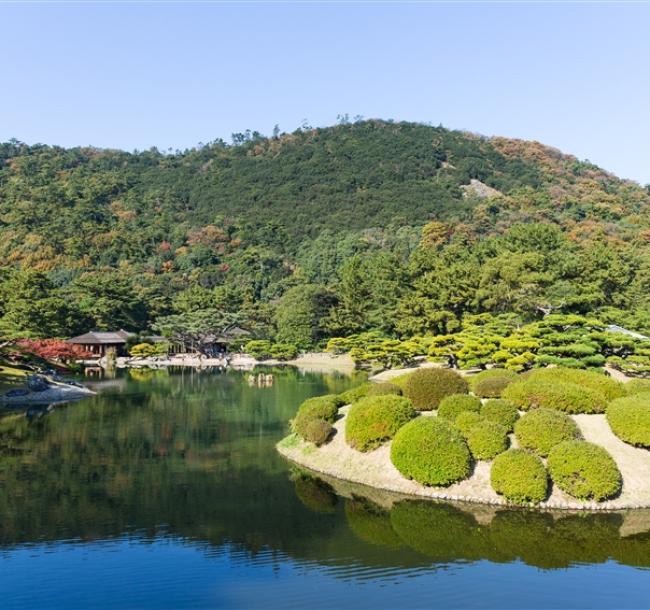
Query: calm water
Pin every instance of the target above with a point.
(165, 491)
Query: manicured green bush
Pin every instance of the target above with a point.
(283, 351)
(375, 419)
(380, 389)
(500, 411)
(320, 408)
(316, 431)
(519, 476)
(486, 439)
(542, 429)
(594, 380)
(637, 386)
(353, 394)
(465, 420)
(431, 451)
(490, 383)
(427, 387)
(451, 406)
(563, 396)
(629, 419)
(584, 470)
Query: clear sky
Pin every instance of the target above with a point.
(136, 75)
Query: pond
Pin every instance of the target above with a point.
(165, 491)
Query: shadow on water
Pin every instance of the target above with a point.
(189, 456)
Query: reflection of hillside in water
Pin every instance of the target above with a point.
(191, 456)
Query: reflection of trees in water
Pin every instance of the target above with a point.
(447, 534)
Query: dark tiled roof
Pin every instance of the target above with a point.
(94, 337)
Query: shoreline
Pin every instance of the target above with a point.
(374, 469)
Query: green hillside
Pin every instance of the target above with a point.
(318, 229)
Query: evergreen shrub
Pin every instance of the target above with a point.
(454, 404)
(637, 386)
(353, 394)
(465, 420)
(594, 380)
(584, 470)
(542, 429)
(629, 419)
(323, 408)
(500, 411)
(519, 476)
(563, 396)
(490, 383)
(380, 389)
(375, 419)
(486, 439)
(316, 431)
(427, 387)
(431, 451)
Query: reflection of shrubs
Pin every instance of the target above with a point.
(568, 397)
(465, 420)
(427, 387)
(380, 389)
(490, 383)
(584, 470)
(350, 396)
(371, 523)
(375, 419)
(629, 419)
(319, 408)
(519, 476)
(315, 494)
(431, 451)
(451, 406)
(501, 411)
(542, 429)
(486, 439)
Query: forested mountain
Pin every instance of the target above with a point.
(399, 227)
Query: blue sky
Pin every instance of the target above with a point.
(135, 75)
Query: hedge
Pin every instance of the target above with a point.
(599, 382)
(465, 420)
(451, 406)
(353, 394)
(584, 470)
(629, 419)
(490, 383)
(500, 411)
(375, 419)
(519, 476)
(563, 396)
(380, 389)
(320, 408)
(637, 386)
(542, 429)
(431, 451)
(427, 387)
(486, 439)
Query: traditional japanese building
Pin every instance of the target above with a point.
(100, 343)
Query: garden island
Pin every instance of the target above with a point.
(557, 437)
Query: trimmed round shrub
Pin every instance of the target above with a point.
(427, 387)
(637, 386)
(542, 429)
(594, 380)
(500, 411)
(629, 419)
(519, 476)
(316, 431)
(320, 408)
(563, 396)
(375, 419)
(465, 420)
(486, 439)
(431, 451)
(451, 406)
(490, 383)
(353, 394)
(584, 470)
(381, 389)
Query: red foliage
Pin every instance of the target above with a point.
(53, 349)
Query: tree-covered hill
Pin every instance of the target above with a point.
(104, 238)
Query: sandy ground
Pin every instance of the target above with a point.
(374, 469)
